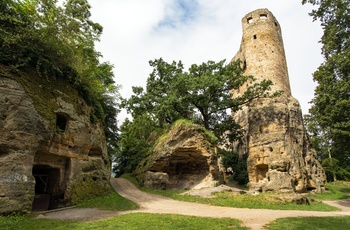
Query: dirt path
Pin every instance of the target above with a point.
(253, 218)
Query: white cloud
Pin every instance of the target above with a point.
(197, 31)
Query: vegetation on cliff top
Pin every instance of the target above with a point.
(58, 41)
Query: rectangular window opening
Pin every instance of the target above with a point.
(249, 20)
(263, 16)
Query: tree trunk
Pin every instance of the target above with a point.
(333, 170)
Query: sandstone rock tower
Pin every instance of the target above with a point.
(279, 154)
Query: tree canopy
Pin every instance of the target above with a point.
(59, 42)
(329, 119)
(202, 94)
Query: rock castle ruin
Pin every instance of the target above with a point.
(52, 155)
(280, 157)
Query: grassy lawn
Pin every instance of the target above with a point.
(315, 223)
(111, 201)
(261, 201)
(335, 191)
(338, 190)
(130, 221)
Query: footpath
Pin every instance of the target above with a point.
(149, 203)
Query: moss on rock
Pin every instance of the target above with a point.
(44, 91)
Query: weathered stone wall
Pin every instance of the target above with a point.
(41, 142)
(279, 154)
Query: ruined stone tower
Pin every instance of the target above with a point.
(279, 154)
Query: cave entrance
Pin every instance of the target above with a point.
(260, 172)
(47, 187)
(61, 121)
(186, 169)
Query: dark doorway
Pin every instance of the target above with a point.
(47, 187)
(61, 121)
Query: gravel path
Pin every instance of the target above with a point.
(253, 218)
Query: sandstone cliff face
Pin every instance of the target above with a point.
(279, 154)
(47, 161)
(183, 159)
(280, 157)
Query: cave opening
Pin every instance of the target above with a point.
(61, 121)
(186, 170)
(260, 172)
(48, 193)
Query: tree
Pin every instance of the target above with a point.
(231, 158)
(330, 111)
(134, 144)
(202, 94)
(58, 41)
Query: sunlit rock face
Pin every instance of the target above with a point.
(280, 157)
(183, 159)
(51, 154)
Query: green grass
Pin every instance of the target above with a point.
(314, 223)
(261, 201)
(335, 191)
(111, 201)
(129, 221)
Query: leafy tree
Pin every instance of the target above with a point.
(334, 171)
(237, 163)
(59, 42)
(201, 94)
(134, 144)
(330, 111)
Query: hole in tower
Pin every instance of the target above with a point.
(254, 36)
(250, 20)
(263, 16)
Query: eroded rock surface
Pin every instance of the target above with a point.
(183, 159)
(279, 154)
(48, 161)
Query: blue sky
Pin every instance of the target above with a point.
(179, 12)
(195, 31)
